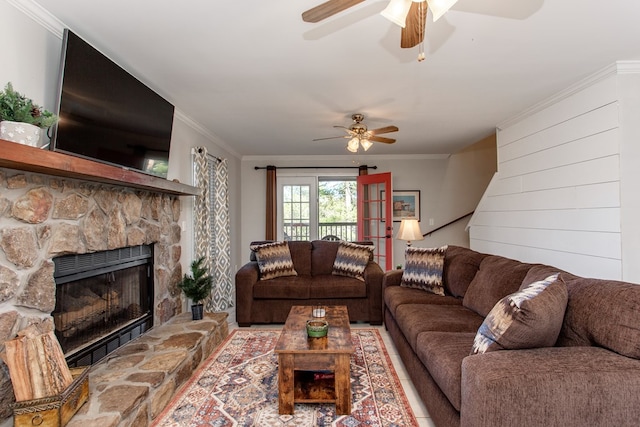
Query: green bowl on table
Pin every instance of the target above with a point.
(317, 328)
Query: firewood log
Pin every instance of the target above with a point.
(36, 365)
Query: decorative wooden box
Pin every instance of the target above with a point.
(54, 411)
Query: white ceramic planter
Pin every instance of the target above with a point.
(22, 133)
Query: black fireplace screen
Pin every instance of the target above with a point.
(103, 300)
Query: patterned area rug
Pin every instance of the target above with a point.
(238, 386)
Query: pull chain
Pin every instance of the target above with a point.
(421, 31)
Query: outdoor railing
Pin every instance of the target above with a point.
(342, 230)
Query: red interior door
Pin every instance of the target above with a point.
(374, 216)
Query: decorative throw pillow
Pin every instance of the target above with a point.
(529, 318)
(423, 269)
(352, 259)
(274, 260)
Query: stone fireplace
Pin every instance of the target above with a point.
(44, 217)
(103, 301)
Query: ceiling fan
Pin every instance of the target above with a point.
(359, 135)
(411, 15)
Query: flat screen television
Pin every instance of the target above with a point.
(108, 115)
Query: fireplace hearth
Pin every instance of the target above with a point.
(103, 300)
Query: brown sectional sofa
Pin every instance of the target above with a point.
(269, 301)
(591, 377)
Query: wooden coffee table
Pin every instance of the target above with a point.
(315, 370)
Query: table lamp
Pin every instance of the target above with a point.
(409, 230)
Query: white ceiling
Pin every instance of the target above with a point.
(264, 82)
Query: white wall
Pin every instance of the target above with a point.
(31, 59)
(30, 55)
(450, 186)
(558, 195)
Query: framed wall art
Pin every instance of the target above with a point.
(404, 203)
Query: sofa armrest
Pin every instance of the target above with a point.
(391, 278)
(246, 277)
(557, 386)
(373, 275)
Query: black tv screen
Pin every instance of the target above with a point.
(106, 114)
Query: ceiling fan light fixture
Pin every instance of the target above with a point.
(366, 144)
(397, 11)
(353, 145)
(440, 7)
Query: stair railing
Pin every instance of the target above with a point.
(447, 224)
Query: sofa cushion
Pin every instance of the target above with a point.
(442, 354)
(460, 267)
(498, 277)
(395, 296)
(274, 260)
(541, 271)
(529, 318)
(413, 319)
(351, 260)
(323, 255)
(290, 287)
(423, 269)
(301, 251)
(603, 313)
(329, 286)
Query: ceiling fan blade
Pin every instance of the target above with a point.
(382, 139)
(331, 137)
(413, 32)
(385, 129)
(327, 9)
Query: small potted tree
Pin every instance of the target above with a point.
(21, 120)
(196, 287)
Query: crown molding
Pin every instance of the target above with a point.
(205, 132)
(619, 67)
(628, 67)
(354, 159)
(40, 15)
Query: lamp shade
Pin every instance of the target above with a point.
(352, 145)
(366, 144)
(397, 11)
(440, 7)
(409, 230)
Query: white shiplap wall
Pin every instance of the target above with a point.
(556, 198)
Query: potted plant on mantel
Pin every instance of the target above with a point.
(21, 120)
(197, 287)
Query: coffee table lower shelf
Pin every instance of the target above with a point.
(314, 387)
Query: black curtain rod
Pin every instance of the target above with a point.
(210, 155)
(314, 167)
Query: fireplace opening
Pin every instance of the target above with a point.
(103, 300)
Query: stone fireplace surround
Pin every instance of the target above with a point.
(44, 216)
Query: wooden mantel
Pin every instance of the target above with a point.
(31, 159)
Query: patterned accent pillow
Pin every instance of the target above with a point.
(274, 260)
(529, 318)
(423, 269)
(352, 259)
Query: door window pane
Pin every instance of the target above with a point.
(295, 212)
(337, 208)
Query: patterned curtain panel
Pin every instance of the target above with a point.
(212, 227)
